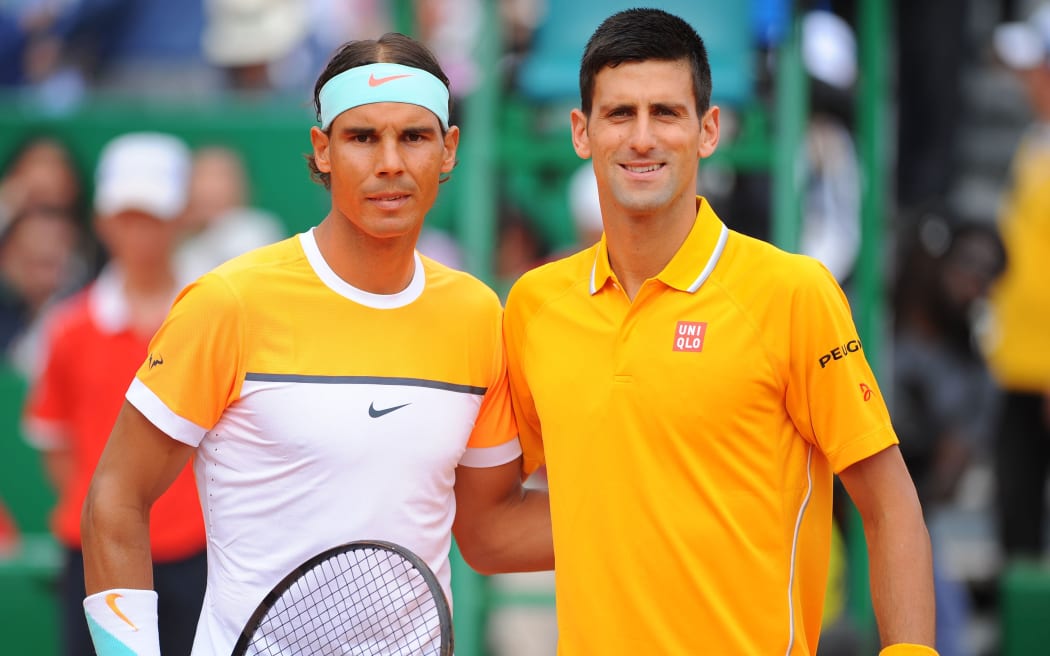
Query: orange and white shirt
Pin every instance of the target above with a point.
(323, 414)
(690, 439)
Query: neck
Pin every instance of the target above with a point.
(148, 282)
(149, 293)
(640, 246)
(371, 264)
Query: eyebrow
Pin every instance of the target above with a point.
(411, 129)
(628, 106)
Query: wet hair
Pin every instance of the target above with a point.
(391, 48)
(637, 35)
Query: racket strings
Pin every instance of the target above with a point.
(361, 602)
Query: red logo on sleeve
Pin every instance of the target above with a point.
(866, 391)
(689, 336)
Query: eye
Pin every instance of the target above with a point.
(361, 138)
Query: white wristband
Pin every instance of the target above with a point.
(123, 622)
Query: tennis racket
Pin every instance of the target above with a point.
(361, 598)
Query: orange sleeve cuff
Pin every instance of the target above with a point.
(905, 649)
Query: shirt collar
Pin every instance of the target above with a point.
(690, 266)
(331, 279)
(106, 301)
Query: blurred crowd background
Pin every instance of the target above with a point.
(905, 144)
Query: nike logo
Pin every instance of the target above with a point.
(111, 601)
(372, 412)
(374, 81)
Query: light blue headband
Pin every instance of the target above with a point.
(376, 83)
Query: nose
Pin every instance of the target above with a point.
(641, 138)
(388, 158)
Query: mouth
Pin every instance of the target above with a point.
(391, 200)
(641, 169)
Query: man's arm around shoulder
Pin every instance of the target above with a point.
(500, 525)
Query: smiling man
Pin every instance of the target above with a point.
(675, 381)
(332, 387)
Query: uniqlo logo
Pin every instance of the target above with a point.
(689, 336)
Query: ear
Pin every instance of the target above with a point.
(581, 142)
(709, 132)
(320, 143)
(451, 146)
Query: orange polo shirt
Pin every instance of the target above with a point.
(690, 439)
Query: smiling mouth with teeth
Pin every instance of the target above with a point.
(643, 169)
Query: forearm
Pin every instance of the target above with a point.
(520, 539)
(901, 571)
(512, 534)
(121, 606)
(901, 563)
(116, 544)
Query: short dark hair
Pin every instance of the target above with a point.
(391, 48)
(636, 35)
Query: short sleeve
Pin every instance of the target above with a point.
(832, 395)
(194, 368)
(492, 442)
(524, 405)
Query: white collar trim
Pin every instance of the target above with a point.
(346, 290)
(106, 301)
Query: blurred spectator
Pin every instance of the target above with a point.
(44, 251)
(260, 45)
(95, 341)
(334, 22)
(219, 222)
(830, 228)
(451, 29)
(1018, 342)
(518, 20)
(40, 171)
(519, 247)
(583, 205)
(149, 47)
(830, 215)
(21, 24)
(37, 248)
(944, 400)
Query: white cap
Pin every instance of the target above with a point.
(241, 32)
(1024, 45)
(145, 171)
(829, 49)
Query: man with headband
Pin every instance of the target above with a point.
(332, 387)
